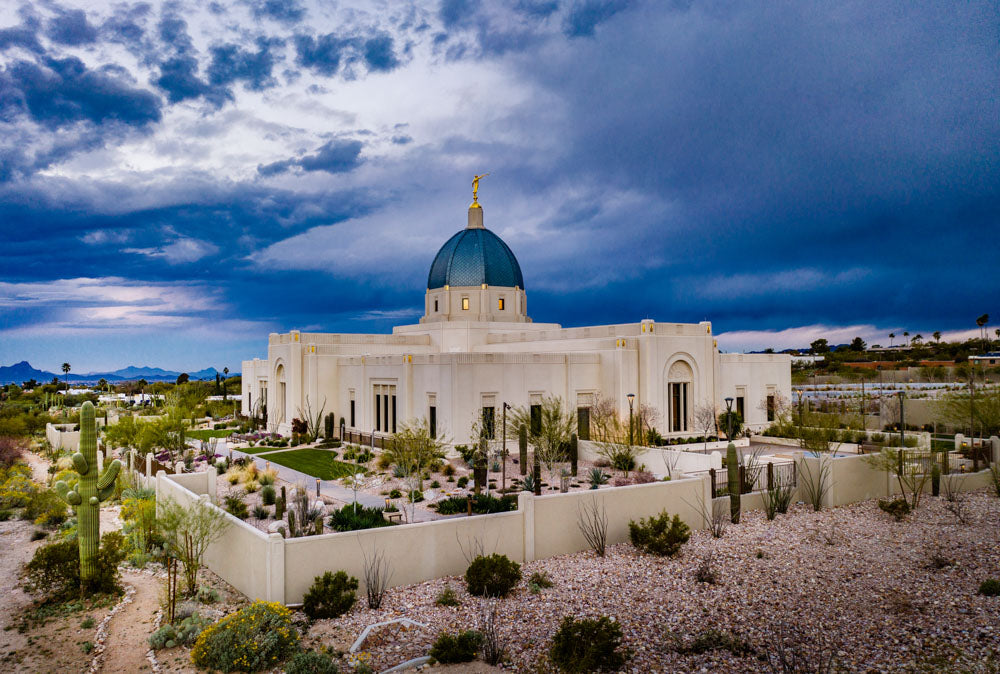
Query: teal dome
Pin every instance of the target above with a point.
(472, 257)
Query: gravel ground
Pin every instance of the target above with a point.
(849, 583)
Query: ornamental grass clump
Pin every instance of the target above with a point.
(492, 576)
(461, 647)
(253, 639)
(659, 535)
(354, 517)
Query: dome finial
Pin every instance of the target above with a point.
(475, 190)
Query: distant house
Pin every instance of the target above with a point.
(991, 358)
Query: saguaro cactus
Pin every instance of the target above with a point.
(89, 493)
(522, 448)
(733, 471)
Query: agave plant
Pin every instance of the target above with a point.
(597, 477)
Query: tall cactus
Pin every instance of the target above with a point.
(574, 454)
(733, 472)
(522, 448)
(89, 493)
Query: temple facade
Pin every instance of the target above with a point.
(476, 348)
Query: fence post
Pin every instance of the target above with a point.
(210, 478)
(274, 562)
(707, 496)
(711, 475)
(149, 465)
(526, 506)
(770, 476)
(995, 446)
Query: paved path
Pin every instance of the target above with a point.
(329, 487)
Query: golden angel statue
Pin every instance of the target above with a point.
(475, 187)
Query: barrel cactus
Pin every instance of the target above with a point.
(90, 491)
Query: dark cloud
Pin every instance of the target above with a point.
(179, 79)
(173, 31)
(537, 8)
(70, 27)
(378, 53)
(336, 156)
(402, 140)
(456, 12)
(19, 36)
(127, 24)
(282, 11)
(230, 63)
(321, 54)
(65, 91)
(585, 15)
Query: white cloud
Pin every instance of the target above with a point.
(179, 251)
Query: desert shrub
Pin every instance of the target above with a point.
(448, 470)
(899, 508)
(447, 597)
(330, 596)
(461, 647)
(268, 477)
(207, 595)
(481, 505)
(354, 517)
(252, 487)
(643, 477)
(415, 496)
(5, 515)
(267, 495)
(311, 662)
(395, 493)
(236, 507)
(17, 489)
(183, 633)
(540, 579)
(38, 535)
(54, 570)
(990, 588)
(716, 640)
(659, 535)
(46, 509)
(493, 576)
(587, 645)
(11, 450)
(250, 640)
(260, 512)
(463, 481)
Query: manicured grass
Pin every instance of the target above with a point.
(207, 433)
(257, 449)
(315, 462)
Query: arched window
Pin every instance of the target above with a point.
(679, 381)
(279, 375)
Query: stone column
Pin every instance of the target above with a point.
(274, 562)
(526, 506)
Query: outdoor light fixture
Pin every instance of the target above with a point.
(631, 398)
(729, 419)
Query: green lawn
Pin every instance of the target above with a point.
(257, 449)
(207, 433)
(315, 462)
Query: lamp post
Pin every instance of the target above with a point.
(902, 419)
(631, 398)
(729, 419)
(503, 452)
(799, 392)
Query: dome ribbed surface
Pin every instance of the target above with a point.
(473, 257)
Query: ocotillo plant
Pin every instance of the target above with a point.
(733, 471)
(522, 448)
(574, 453)
(89, 493)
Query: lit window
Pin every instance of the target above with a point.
(465, 303)
(435, 305)
(500, 304)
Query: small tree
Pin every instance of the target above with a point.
(616, 448)
(313, 419)
(554, 428)
(703, 416)
(912, 472)
(412, 449)
(188, 532)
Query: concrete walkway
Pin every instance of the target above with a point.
(328, 488)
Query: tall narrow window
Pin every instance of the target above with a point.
(353, 424)
(378, 412)
(770, 408)
(740, 407)
(394, 411)
(435, 306)
(433, 415)
(536, 420)
(583, 422)
(500, 304)
(465, 304)
(489, 416)
(385, 412)
(678, 407)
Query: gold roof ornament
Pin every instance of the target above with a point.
(475, 190)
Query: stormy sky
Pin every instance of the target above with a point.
(179, 179)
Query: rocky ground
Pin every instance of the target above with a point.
(851, 584)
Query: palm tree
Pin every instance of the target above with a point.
(907, 335)
(892, 336)
(65, 369)
(918, 338)
(225, 384)
(937, 336)
(981, 322)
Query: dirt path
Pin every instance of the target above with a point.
(127, 633)
(17, 546)
(39, 467)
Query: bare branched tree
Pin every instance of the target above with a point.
(471, 549)
(715, 514)
(378, 573)
(954, 498)
(670, 460)
(816, 482)
(790, 650)
(704, 418)
(592, 520)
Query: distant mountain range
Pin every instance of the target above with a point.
(21, 372)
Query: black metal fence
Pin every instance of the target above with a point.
(753, 478)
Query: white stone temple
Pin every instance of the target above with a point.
(475, 348)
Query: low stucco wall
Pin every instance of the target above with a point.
(555, 516)
(416, 552)
(62, 436)
(655, 459)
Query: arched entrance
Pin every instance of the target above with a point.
(680, 380)
(279, 376)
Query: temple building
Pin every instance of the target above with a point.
(476, 348)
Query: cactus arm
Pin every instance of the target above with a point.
(110, 473)
(106, 493)
(80, 463)
(67, 494)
